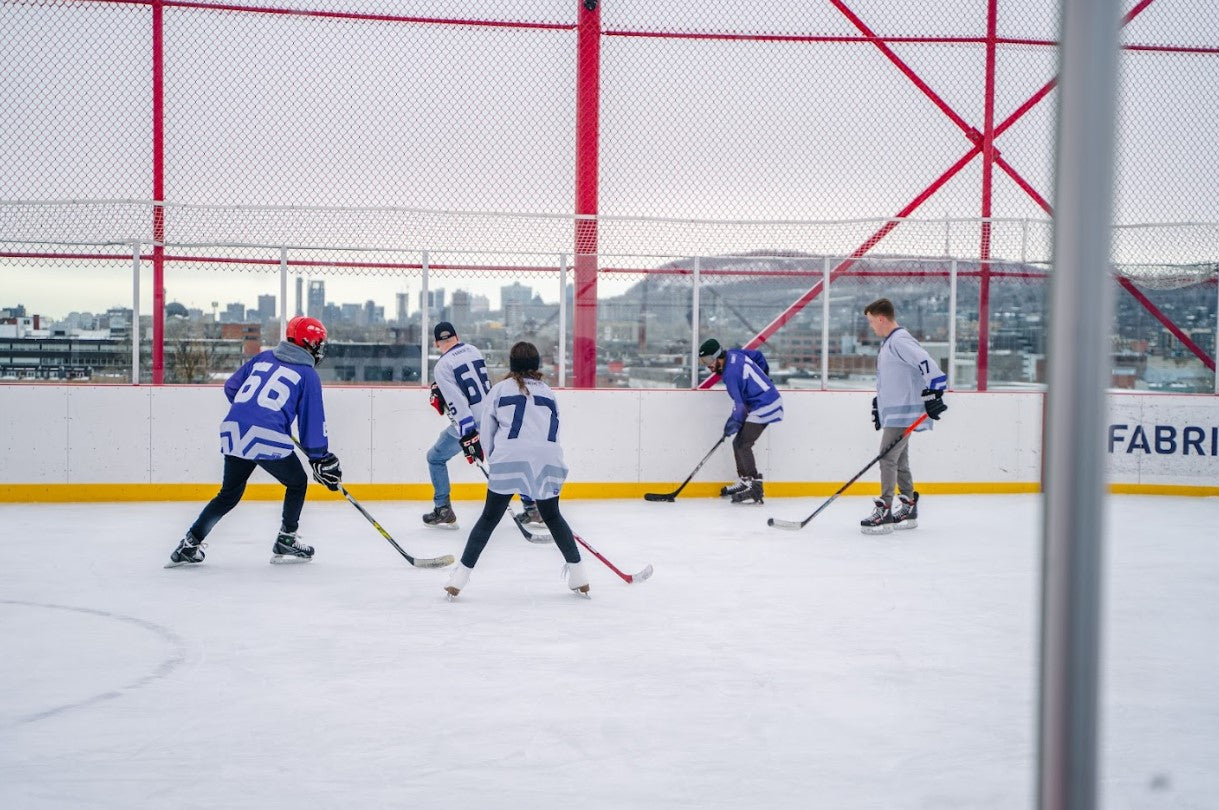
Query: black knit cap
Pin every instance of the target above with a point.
(710, 348)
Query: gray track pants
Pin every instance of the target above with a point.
(895, 466)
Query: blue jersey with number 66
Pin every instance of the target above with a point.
(267, 394)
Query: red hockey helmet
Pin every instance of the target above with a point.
(310, 334)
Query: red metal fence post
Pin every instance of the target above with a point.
(158, 197)
(588, 101)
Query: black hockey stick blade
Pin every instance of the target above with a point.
(519, 520)
(669, 497)
(526, 532)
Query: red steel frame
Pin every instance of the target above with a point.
(983, 144)
(587, 151)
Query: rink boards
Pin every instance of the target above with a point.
(95, 442)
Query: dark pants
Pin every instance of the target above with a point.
(237, 471)
(493, 510)
(742, 448)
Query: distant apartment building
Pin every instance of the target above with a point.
(317, 300)
(266, 307)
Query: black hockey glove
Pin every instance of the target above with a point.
(875, 414)
(933, 401)
(472, 447)
(326, 471)
(437, 400)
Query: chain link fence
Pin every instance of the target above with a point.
(408, 161)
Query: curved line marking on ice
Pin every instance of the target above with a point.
(167, 665)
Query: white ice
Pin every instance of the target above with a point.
(756, 668)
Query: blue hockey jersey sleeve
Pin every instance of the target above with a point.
(311, 417)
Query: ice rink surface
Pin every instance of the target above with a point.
(756, 668)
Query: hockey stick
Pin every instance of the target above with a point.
(418, 562)
(669, 497)
(793, 524)
(532, 537)
(629, 579)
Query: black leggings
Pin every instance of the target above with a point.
(742, 448)
(493, 510)
(237, 471)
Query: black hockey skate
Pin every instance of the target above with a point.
(441, 517)
(188, 552)
(740, 485)
(532, 516)
(752, 493)
(880, 521)
(906, 516)
(287, 549)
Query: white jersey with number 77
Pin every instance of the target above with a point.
(520, 436)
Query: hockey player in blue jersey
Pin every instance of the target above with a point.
(520, 431)
(908, 383)
(755, 404)
(271, 391)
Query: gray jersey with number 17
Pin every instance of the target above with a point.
(520, 436)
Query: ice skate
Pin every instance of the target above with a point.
(740, 485)
(532, 517)
(287, 549)
(188, 552)
(752, 493)
(906, 516)
(880, 521)
(457, 581)
(442, 517)
(577, 578)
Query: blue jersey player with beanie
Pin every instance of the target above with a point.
(268, 393)
(755, 404)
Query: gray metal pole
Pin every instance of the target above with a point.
(425, 324)
(1076, 408)
(825, 323)
(694, 320)
(952, 325)
(562, 320)
(283, 293)
(135, 313)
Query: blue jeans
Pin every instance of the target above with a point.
(446, 446)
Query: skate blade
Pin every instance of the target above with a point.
(905, 524)
(172, 564)
(450, 593)
(449, 526)
(288, 559)
(887, 529)
(582, 594)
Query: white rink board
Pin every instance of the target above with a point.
(144, 434)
